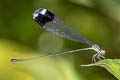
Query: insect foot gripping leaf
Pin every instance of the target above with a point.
(113, 66)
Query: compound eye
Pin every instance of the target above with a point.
(103, 52)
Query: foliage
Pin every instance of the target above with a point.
(113, 66)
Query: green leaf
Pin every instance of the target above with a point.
(113, 66)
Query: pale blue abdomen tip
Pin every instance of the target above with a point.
(14, 60)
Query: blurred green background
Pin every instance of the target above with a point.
(21, 37)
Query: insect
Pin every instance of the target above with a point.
(52, 23)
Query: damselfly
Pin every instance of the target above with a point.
(52, 23)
